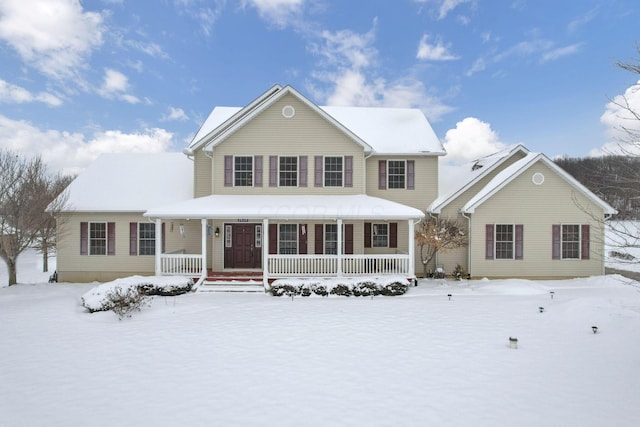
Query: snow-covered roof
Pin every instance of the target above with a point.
(287, 207)
(455, 180)
(516, 169)
(383, 130)
(131, 182)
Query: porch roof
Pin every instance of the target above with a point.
(359, 206)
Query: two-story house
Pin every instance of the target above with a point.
(279, 188)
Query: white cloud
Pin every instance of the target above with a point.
(478, 65)
(622, 120)
(348, 73)
(116, 85)
(445, 6)
(280, 13)
(560, 52)
(434, 52)
(10, 93)
(53, 36)
(175, 114)
(205, 15)
(71, 152)
(471, 139)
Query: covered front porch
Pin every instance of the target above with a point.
(292, 236)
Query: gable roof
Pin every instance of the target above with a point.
(131, 182)
(510, 173)
(473, 172)
(377, 130)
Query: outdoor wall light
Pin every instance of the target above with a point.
(217, 231)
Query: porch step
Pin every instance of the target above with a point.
(226, 285)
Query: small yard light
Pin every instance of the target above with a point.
(551, 293)
(541, 309)
(513, 342)
(594, 329)
(449, 295)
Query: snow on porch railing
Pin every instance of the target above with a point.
(327, 265)
(180, 264)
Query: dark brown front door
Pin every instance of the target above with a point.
(240, 248)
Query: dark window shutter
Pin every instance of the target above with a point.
(111, 238)
(348, 239)
(348, 171)
(319, 235)
(317, 171)
(489, 242)
(519, 241)
(273, 239)
(257, 171)
(302, 239)
(133, 238)
(584, 241)
(84, 238)
(164, 238)
(382, 174)
(555, 235)
(367, 234)
(273, 171)
(393, 234)
(411, 180)
(228, 171)
(303, 171)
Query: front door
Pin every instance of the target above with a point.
(243, 245)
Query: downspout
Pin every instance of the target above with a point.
(468, 243)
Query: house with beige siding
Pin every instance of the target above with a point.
(285, 188)
(279, 188)
(525, 217)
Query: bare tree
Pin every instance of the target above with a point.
(435, 234)
(23, 201)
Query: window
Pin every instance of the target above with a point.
(147, 238)
(504, 241)
(333, 171)
(97, 238)
(288, 239)
(396, 173)
(243, 171)
(380, 235)
(258, 236)
(288, 171)
(570, 241)
(331, 239)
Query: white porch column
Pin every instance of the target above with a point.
(158, 247)
(412, 249)
(203, 221)
(265, 252)
(339, 248)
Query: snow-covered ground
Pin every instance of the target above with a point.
(252, 359)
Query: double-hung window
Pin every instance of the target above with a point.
(288, 239)
(504, 241)
(380, 235)
(97, 238)
(396, 173)
(288, 171)
(243, 171)
(333, 171)
(330, 239)
(570, 241)
(146, 238)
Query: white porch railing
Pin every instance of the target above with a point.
(327, 265)
(181, 264)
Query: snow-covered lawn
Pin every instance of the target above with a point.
(253, 359)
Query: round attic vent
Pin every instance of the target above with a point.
(537, 178)
(288, 111)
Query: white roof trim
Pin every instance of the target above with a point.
(287, 207)
(438, 204)
(515, 170)
(246, 114)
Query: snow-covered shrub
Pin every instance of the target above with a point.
(280, 289)
(320, 289)
(98, 298)
(341, 289)
(395, 287)
(124, 301)
(359, 287)
(366, 288)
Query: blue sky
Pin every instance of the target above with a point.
(81, 78)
